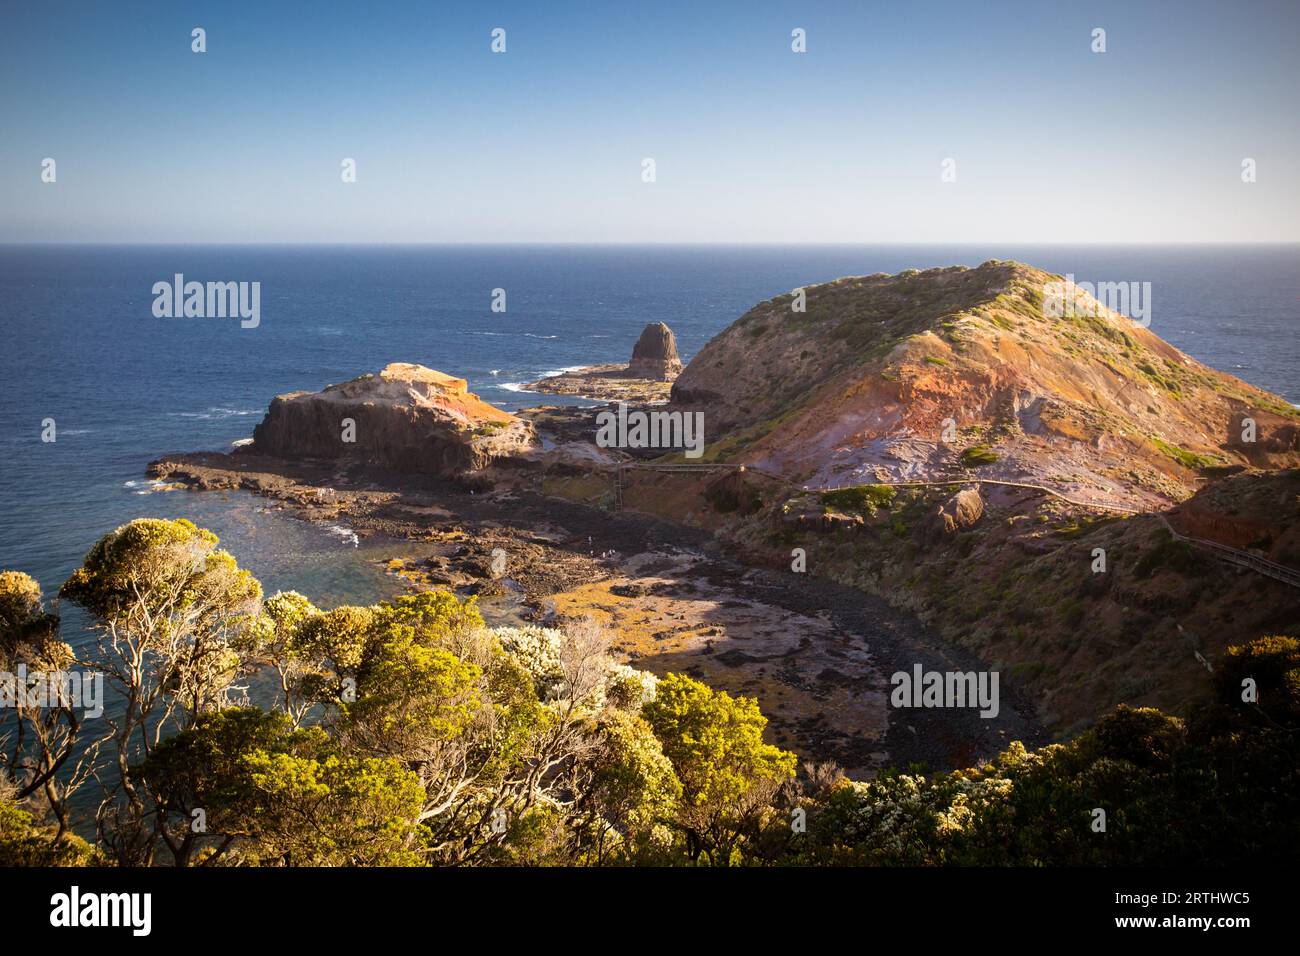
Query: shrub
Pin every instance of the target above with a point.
(864, 499)
(977, 455)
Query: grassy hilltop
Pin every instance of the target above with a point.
(958, 376)
(861, 385)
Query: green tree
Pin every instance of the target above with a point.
(422, 681)
(173, 611)
(631, 792)
(277, 640)
(1272, 665)
(24, 843)
(40, 754)
(245, 781)
(729, 775)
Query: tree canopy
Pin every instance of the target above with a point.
(411, 733)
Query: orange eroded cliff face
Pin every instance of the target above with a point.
(406, 417)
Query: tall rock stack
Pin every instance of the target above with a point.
(655, 354)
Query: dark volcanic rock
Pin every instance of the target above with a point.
(963, 510)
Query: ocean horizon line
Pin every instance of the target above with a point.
(661, 244)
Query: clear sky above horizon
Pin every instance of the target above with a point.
(751, 141)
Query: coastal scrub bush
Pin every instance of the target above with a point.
(1169, 554)
(37, 739)
(1078, 526)
(1272, 664)
(1188, 459)
(1168, 384)
(410, 733)
(24, 842)
(977, 455)
(729, 775)
(1171, 796)
(632, 791)
(172, 617)
(863, 499)
(276, 795)
(547, 654)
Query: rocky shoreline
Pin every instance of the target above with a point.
(949, 462)
(646, 379)
(605, 383)
(817, 654)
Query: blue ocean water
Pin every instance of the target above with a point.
(82, 346)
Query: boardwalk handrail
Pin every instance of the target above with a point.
(719, 466)
(1096, 505)
(1272, 569)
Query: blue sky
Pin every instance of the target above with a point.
(752, 143)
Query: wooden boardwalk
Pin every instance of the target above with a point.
(1223, 552)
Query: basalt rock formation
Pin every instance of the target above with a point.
(406, 418)
(963, 510)
(655, 354)
(646, 379)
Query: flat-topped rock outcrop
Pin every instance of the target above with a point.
(406, 417)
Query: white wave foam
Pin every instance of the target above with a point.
(519, 386)
(527, 335)
(216, 411)
(149, 487)
(562, 371)
(347, 535)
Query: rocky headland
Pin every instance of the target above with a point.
(950, 458)
(959, 371)
(1043, 486)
